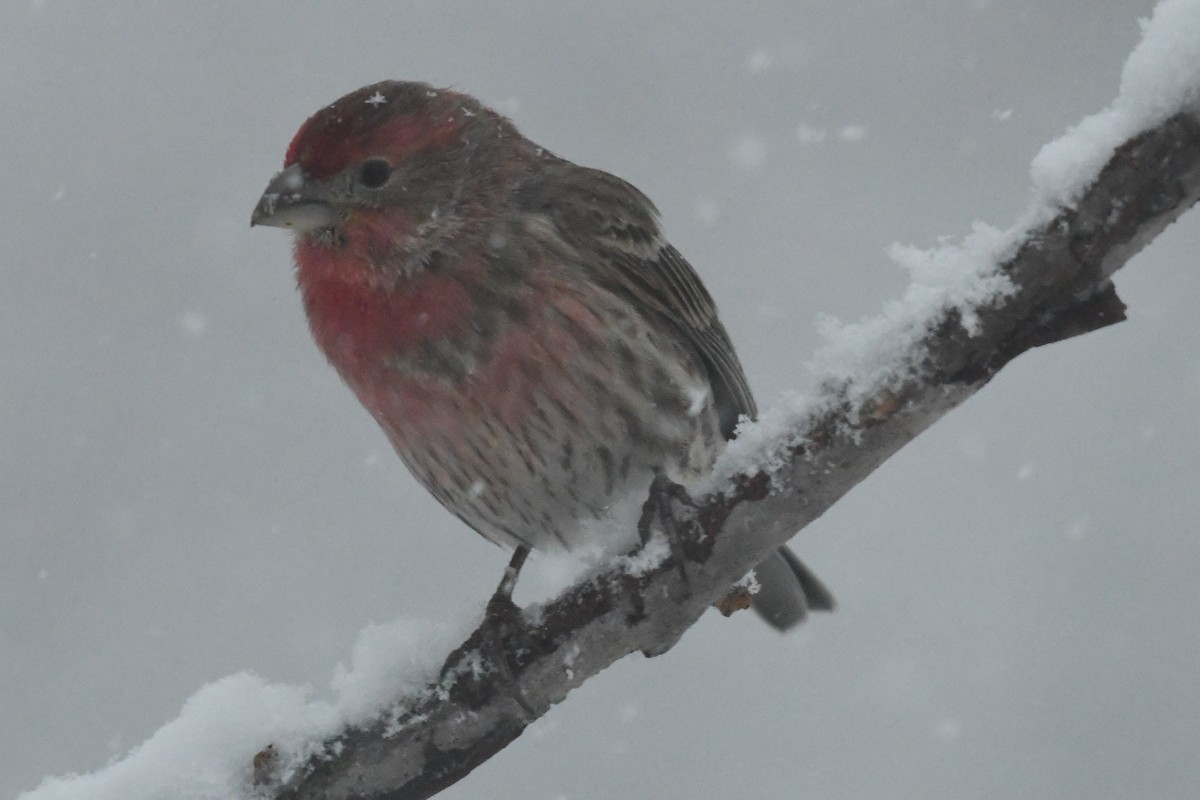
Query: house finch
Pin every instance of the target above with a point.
(530, 343)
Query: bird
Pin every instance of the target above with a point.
(518, 325)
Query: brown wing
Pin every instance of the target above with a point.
(616, 226)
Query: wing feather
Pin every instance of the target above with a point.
(614, 229)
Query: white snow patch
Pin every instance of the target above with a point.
(697, 397)
(875, 354)
(1160, 76)
(761, 442)
(208, 751)
(391, 660)
(749, 582)
(571, 655)
(293, 181)
(547, 573)
(648, 558)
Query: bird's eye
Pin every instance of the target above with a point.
(374, 173)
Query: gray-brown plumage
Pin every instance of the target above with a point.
(530, 343)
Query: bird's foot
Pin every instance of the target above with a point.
(675, 512)
(501, 643)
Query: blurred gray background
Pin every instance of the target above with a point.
(186, 490)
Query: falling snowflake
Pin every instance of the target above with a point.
(376, 100)
(852, 133)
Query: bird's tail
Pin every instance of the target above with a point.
(788, 590)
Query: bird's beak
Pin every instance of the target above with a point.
(292, 201)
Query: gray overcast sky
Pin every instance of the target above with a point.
(187, 491)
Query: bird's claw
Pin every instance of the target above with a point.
(680, 529)
(500, 641)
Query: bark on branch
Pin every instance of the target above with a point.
(1060, 276)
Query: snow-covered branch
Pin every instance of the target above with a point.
(1044, 282)
(1102, 193)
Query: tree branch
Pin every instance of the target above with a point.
(1057, 280)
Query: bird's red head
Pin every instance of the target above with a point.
(392, 120)
(380, 185)
(394, 168)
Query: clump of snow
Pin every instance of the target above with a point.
(865, 357)
(760, 443)
(1064, 168)
(547, 573)
(1163, 71)
(388, 661)
(697, 396)
(648, 558)
(1160, 77)
(749, 582)
(207, 753)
